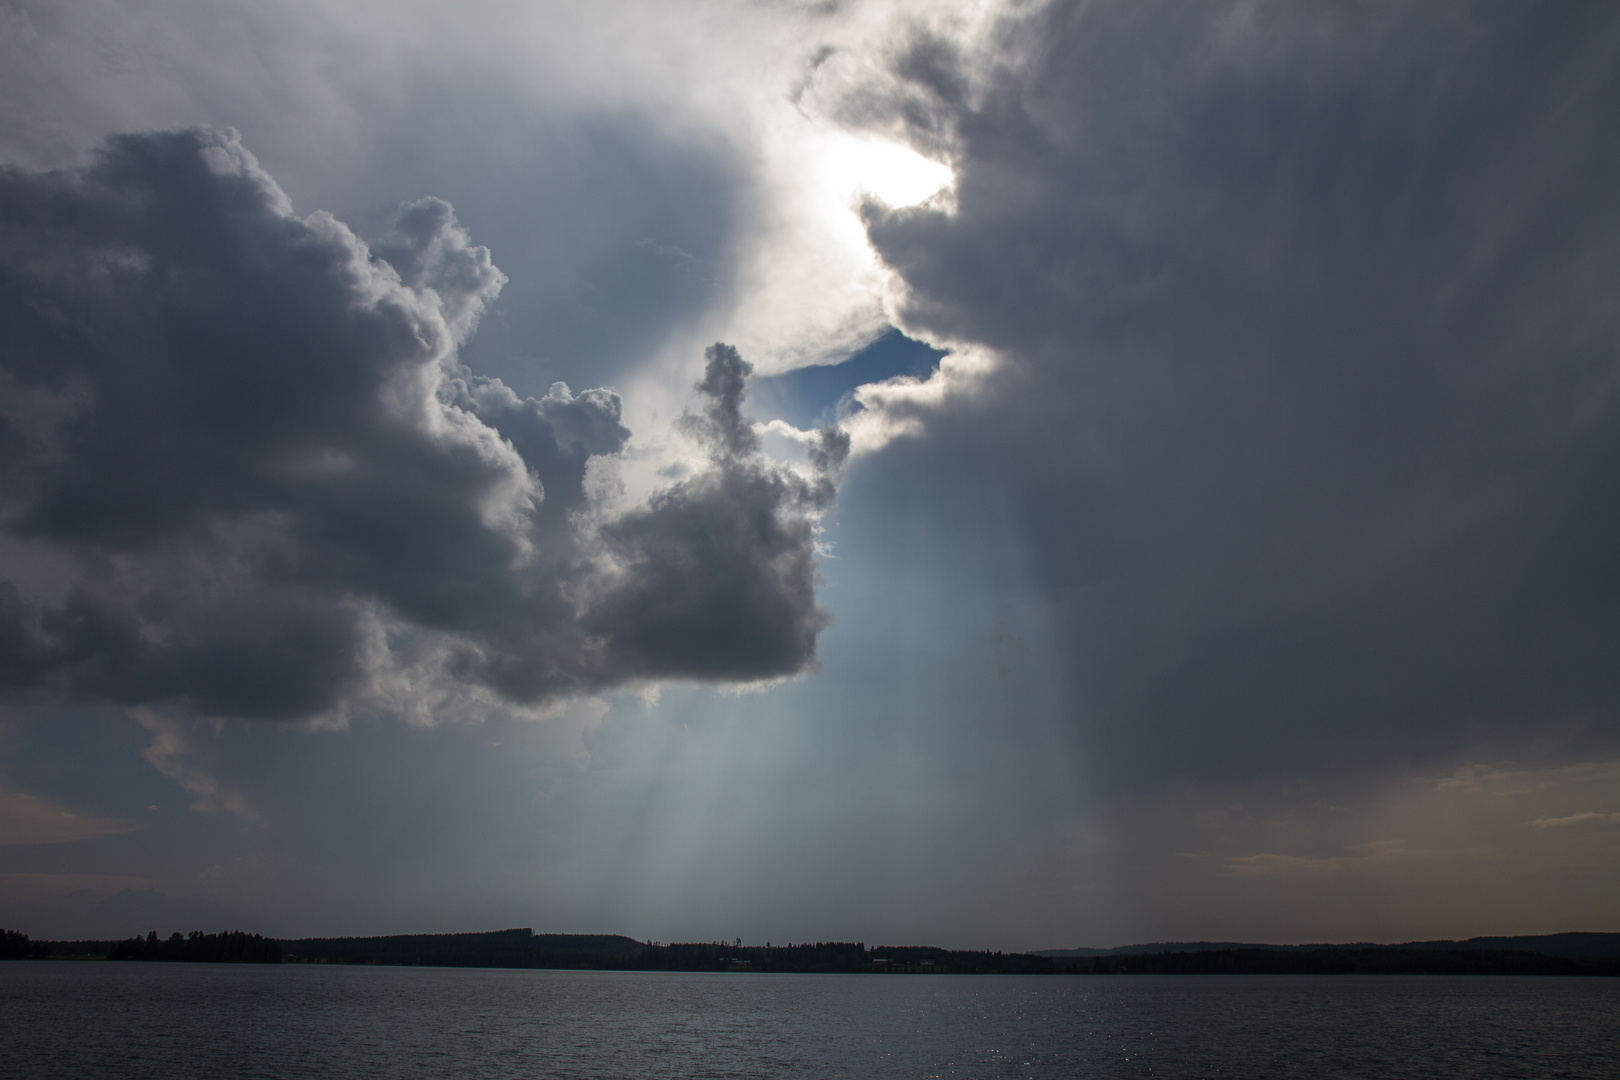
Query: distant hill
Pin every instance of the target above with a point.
(1574, 946)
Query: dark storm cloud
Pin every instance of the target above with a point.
(247, 437)
(1312, 403)
(710, 551)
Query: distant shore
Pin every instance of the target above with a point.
(1554, 954)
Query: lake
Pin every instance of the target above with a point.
(128, 1020)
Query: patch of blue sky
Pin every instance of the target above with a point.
(808, 396)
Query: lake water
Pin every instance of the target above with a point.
(124, 1020)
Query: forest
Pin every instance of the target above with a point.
(197, 947)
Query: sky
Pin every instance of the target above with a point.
(996, 474)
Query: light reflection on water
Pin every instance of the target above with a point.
(76, 1019)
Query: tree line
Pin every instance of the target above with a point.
(522, 948)
(15, 945)
(1385, 960)
(197, 947)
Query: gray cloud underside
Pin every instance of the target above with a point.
(242, 471)
(1312, 409)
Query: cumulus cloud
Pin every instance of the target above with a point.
(267, 487)
(713, 578)
(1308, 401)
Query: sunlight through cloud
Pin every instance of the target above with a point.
(851, 167)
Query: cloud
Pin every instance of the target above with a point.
(1305, 400)
(167, 754)
(23, 887)
(279, 493)
(1585, 817)
(1386, 858)
(70, 906)
(712, 578)
(29, 819)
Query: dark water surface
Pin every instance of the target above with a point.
(90, 1019)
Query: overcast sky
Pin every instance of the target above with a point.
(1007, 474)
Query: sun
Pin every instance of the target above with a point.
(852, 166)
(817, 289)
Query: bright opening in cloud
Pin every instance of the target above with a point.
(817, 289)
(893, 173)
